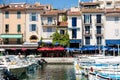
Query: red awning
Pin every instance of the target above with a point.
(45, 49)
(13, 49)
(24, 49)
(59, 48)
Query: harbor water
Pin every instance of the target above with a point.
(52, 72)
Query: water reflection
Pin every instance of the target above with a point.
(53, 72)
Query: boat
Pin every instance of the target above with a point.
(96, 66)
(15, 64)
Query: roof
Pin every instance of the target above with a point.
(89, 3)
(112, 14)
(63, 24)
(92, 10)
(52, 12)
(74, 13)
(117, 10)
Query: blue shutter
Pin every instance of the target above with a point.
(74, 21)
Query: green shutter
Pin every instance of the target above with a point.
(19, 28)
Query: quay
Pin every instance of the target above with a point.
(57, 60)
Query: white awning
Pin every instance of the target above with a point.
(1, 49)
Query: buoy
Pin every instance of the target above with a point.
(91, 69)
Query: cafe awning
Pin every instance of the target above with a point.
(11, 36)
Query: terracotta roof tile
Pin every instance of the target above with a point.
(112, 14)
(89, 3)
(92, 10)
(63, 24)
(70, 13)
(53, 12)
(113, 10)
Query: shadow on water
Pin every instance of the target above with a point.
(51, 72)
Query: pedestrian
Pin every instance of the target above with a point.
(19, 54)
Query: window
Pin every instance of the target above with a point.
(6, 41)
(74, 33)
(6, 14)
(50, 20)
(87, 29)
(108, 3)
(74, 21)
(33, 17)
(98, 29)
(18, 41)
(33, 27)
(18, 14)
(49, 29)
(62, 31)
(99, 40)
(7, 28)
(87, 18)
(116, 19)
(98, 18)
(87, 40)
(18, 28)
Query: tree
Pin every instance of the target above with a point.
(62, 39)
(64, 18)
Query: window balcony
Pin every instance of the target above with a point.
(99, 22)
(99, 33)
(87, 33)
(87, 23)
(49, 24)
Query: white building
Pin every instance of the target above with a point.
(108, 3)
(93, 26)
(75, 28)
(112, 27)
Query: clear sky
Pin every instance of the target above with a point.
(59, 4)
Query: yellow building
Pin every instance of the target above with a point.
(13, 24)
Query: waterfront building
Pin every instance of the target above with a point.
(33, 23)
(13, 23)
(0, 23)
(107, 4)
(75, 28)
(52, 21)
(93, 23)
(112, 27)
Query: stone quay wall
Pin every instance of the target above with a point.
(58, 60)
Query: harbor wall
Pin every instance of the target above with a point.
(57, 60)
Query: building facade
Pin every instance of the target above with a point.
(13, 24)
(91, 24)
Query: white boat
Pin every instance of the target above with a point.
(14, 64)
(102, 64)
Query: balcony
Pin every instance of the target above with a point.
(45, 24)
(99, 33)
(87, 23)
(99, 23)
(87, 33)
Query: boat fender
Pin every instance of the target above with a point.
(91, 69)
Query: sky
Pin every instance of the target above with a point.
(57, 4)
